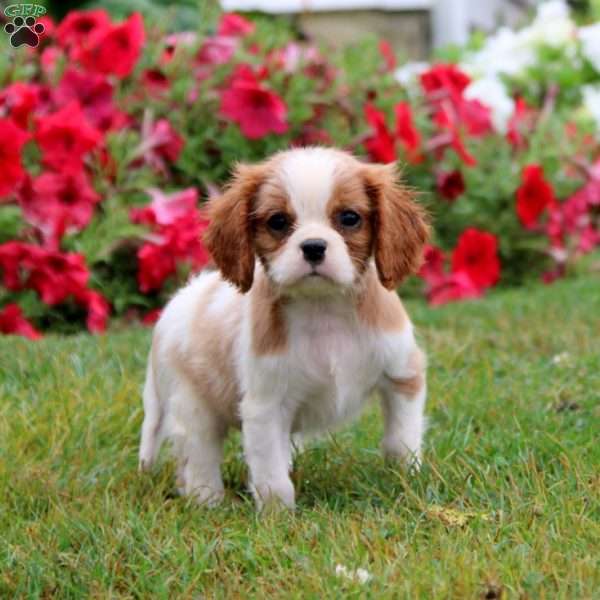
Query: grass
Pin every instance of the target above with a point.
(507, 503)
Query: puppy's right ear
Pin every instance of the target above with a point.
(229, 236)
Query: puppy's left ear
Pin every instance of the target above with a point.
(229, 237)
(401, 226)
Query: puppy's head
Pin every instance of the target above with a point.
(314, 217)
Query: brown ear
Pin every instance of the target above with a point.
(229, 236)
(400, 225)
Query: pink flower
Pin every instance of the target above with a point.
(216, 50)
(161, 145)
(235, 25)
(445, 78)
(65, 137)
(166, 209)
(12, 322)
(115, 49)
(12, 140)
(155, 82)
(453, 287)
(155, 264)
(257, 110)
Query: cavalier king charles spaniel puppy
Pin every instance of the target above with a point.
(297, 329)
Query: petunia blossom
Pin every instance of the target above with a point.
(12, 322)
(257, 110)
(381, 144)
(450, 184)
(65, 137)
(476, 254)
(534, 195)
(233, 25)
(12, 140)
(115, 49)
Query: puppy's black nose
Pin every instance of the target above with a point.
(314, 250)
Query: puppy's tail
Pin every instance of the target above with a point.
(153, 421)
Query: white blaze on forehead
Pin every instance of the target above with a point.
(308, 175)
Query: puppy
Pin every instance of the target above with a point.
(297, 329)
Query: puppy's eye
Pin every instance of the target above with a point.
(278, 222)
(349, 219)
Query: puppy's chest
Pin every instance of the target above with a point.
(334, 364)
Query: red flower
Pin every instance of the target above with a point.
(235, 25)
(406, 131)
(381, 145)
(151, 316)
(65, 137)
(12, 140)
(255, 109)
(533, 196)
(432, 270)
(155, 82)
(13, 322)
(445, 77)
(19, 100)
(387, 52)
(450, 184)
(115, 49)
(97, 308)
(476, 254)
(155, 264)
(94, 93)
(79, 25)
(179, 228)
(55, 202)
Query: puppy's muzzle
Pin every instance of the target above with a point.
(313, 250)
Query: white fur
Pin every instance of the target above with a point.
(330, 368)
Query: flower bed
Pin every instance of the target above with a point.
(112, 134)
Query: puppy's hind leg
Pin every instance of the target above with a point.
(152, 428)
(198, 435)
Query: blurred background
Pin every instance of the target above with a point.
(119, 119)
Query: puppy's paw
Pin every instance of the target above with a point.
(274, 495)
(397, 452)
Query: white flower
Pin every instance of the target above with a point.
(591, 101)
(506, 52)
(590, 44)
(407, 74)
(552, 25)
(491, 92)
(359, 575)
(560, 358)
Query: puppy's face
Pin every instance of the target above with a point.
(314, 217)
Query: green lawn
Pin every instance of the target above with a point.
(506, 504)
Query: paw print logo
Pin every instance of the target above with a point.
(24, 31)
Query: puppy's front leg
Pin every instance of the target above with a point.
(403, 403)
(266, 436)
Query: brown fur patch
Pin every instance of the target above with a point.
(214, 379)
(229, 236)
(400, 225)
(349, 194)
(272, 199)
(269, 330)
(379, 308)
(412, 385)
